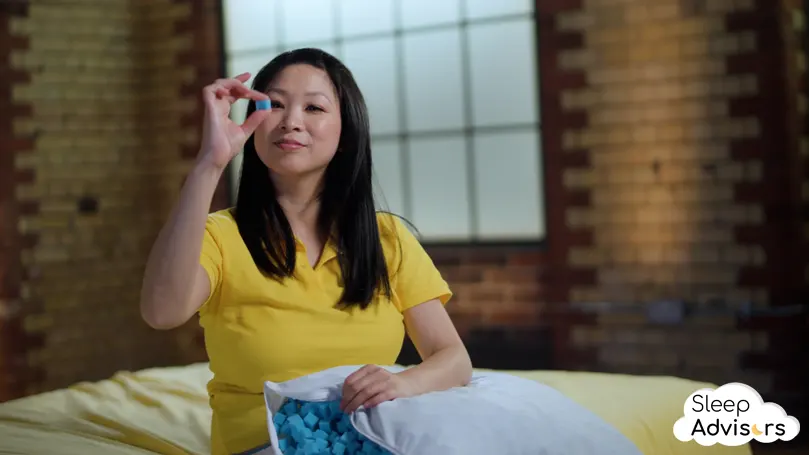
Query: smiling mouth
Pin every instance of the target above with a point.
(289, 145)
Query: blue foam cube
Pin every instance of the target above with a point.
(295, 421)
(305, 428)
(262, 105)
(370, 448)
(308, 408)
(348, 436)
(310, 420)
(296, 433)
(324, 410)
(289, 408)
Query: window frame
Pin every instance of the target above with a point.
(403, 137)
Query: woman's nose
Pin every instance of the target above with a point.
(291, 121)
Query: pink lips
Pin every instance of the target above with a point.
(288, 145)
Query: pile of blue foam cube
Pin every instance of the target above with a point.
(320, 428)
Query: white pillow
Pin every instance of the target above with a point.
(496, 413)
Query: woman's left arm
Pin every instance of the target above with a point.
(445, 361)
(421, 294)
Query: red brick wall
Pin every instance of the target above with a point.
(682, 167)
(12, 363)
(796, 49)
(106, 112)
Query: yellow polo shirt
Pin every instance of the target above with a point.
(257, 329)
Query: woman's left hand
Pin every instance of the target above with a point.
(371, 385)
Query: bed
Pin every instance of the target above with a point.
(165, 411)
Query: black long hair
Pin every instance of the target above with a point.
(347, 209)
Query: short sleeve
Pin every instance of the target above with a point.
(415, 278)
(211, 256)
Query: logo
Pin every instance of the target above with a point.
(732, 415)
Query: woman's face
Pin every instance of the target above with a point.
(302, 131)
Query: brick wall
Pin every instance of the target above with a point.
(799, 38)
(661, 137)
(105, 96)
(677, 142)
(10, 239)
(796, 50)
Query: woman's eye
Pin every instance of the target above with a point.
(275, 104)
(313, 108)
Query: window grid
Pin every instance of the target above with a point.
(404, 136)
(469, 131)
(401, 101)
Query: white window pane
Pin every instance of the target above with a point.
(362, 17)
(421, 13)
(249, 24)
(238, 111)
(504, 83)
(388, 183)
(250, 63)
(508, 181)
(438, 180)
(479, 9)
(235, 170)
(307, 21)
(432, 73)
(373, 63)
(328, 47)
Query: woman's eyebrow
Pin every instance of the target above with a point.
(281, 91)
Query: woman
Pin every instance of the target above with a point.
(302, 274)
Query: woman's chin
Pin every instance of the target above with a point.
(294, 164)
(302, 169)
(288, 164)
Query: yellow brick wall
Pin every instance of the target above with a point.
(679, 161)
(659, 133)
(795, 35)
(113, 106)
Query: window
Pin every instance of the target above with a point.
(452, 93)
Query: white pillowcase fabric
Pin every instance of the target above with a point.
(497, 413)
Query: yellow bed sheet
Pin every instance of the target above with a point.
(165, 411)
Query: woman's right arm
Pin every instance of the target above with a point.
(175, 285)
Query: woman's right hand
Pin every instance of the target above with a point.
(222, 138)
